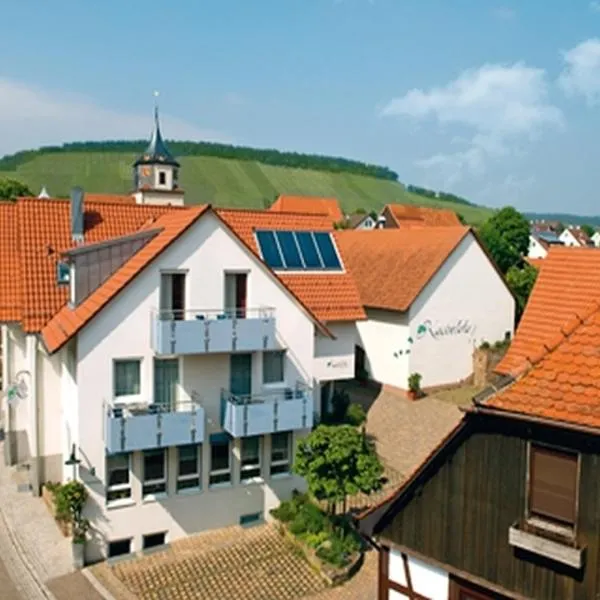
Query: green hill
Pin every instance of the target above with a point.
(217, 180)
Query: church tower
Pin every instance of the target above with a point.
(156, 172)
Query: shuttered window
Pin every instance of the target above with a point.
(553, 484)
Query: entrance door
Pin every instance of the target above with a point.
(172, 296)
(326, 399)
(240, 377)
(166, 381)
(359, 362)
(236, 290)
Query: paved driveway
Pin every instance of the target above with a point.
(246, 564)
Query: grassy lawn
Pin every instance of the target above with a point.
(224, 182)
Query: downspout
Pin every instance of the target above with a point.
(8, 437)
(34, 467)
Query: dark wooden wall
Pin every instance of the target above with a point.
(460, 512)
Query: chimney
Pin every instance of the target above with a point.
(77, 215)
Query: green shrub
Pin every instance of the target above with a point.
(285, 512)
(355, 415)
(414, 382)
(314, 540)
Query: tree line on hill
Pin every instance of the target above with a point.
(295, 160)
(427, 193)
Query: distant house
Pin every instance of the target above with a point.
(309, 205)
(431, 295)
(360, 221)
(540, 242)
(573, 236)
(404, 216)
(506, 507)
(596, 239)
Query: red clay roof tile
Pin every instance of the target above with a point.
(392, 266)
(314, 205)
(567, 281)
(410, 215)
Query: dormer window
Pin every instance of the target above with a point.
(63, 273)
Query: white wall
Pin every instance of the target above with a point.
(536, 250)
(467, 290)
(123, 329)
(334, 358)
(426, 580)
(385, 338)
(17, 361)
(567, 238)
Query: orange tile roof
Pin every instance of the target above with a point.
(41, 232)
(535, 262)
(314, 205)
(391, 267)
(329, 296)
(409, 215)
(68, 321)
(10, 274)
(568, 280)
(564, 382)
(111, 198)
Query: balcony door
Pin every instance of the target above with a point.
(166, 382)
(236, 290)
(172, 296)
(240, 374)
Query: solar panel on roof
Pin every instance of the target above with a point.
(298, 250)
(327, 250)
(269, 249)
(311, 257)
(289, 249)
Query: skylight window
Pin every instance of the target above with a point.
(299, 250)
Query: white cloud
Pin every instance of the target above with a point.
(500, 106)
(32, 117)
(581, 74)
(595, 6)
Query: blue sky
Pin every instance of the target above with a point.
(499, 102)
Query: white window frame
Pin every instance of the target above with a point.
(257, 476)
(162, 480)
(274, 384)
(197, 475)
(120, 487)
(123, 398)
(282, 462)
(217, 472)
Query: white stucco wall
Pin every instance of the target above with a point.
(384, 336)
(334, 358)
(536, 250)
(427, 580)
(567, 238)
(467, 293)
(17, 361)
(49, 403)
(123, 329)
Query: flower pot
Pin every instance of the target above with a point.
(78, 551)
(413, 395)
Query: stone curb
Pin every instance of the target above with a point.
(45, 592)
(97, 585)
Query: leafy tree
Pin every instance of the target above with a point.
(588, 230)
(506, 236)
(521, 282)
(10, 189)
(461, 218)
(338, 461)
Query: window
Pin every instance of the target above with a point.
(152, 540)
(162, 178)
(304, 250)
(280, 453)
(188, 468)
(251, 463)
(155, 473)
(553, 484)
(127, 377)
(273, 367)
(250, 519)
(118, 548)
(220, 462)
(118, 483)
(172, 296)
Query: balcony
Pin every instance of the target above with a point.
(210, 331)
(140, 426)
(282, 410)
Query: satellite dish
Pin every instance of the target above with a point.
(18, 389)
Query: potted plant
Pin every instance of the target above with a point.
(414, 386)
(70, 501)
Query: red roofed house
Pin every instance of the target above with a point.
(574, 236)
(403, 216)
(313, 205)
(507, 505)
(172, 350)
(431, 295)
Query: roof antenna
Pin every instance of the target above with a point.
(156, 94)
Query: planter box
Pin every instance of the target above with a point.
(78, 555)
(542, 546)
(48, 498)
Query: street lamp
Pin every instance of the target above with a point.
(73, 461)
